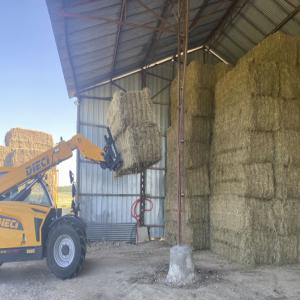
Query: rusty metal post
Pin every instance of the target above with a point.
(143, 173)
(182, 35)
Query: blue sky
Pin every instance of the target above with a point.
(33, 92)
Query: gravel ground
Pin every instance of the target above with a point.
(123, 271)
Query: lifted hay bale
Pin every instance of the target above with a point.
(129, 109)
(132, 123)
(140, 148)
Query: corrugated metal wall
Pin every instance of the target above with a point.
(106, 200)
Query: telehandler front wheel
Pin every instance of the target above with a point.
(66, 250)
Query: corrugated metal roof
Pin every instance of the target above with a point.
(257, 20)
(101, 39)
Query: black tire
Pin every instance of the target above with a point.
(66, 240)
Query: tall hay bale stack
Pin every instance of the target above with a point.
(198, 110)
(255, 156)
(24, 145)
(133, 126)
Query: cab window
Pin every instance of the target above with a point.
(38, 196)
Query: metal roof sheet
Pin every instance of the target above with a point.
(101, 39)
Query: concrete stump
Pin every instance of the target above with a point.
(181, 269)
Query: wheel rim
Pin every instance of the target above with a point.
(64, 251)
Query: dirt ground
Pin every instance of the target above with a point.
(124, 271)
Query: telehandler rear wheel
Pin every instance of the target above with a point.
(66, 249)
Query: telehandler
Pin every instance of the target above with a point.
(31, 226)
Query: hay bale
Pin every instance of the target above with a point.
(289, 82)
(196, 130)
(249, 148)
(18, 138)
(280, 217)
(197, 181)
(200, 81)
(253, 80)
(278, 47)
(129, 109)
(290, 114)
(200, 75)
(287, 145)
(140, 148)
(195, 154)
(255, 180)
(20, 156)
(199, 101)
(131, 120)
(3, 153)
(221, 69)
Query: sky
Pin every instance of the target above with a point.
(33, 92)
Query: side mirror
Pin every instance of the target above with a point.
(71, 175)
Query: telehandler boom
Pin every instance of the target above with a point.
(31, 226)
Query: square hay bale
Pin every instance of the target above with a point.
(18, 138)
(287, 181)
(289, 81)
(195, 154)
(253, 113)
(132, 123)
(129, 109)
(287, 145)
(229, 212)
(270, 248)
(278, 47)
(255, 180)
(19, 156)
(221, 69)
(253, 80)
(227, 141)
(199, 101)
(290, 114)
(277, 216)
(197, 181)
(200, 82)
(199, 74)
(196, 130)
(255, 147)
(140, 148)
(3, 153)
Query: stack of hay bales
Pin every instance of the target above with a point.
(133, 127)
(255, 170)
(199, 97)
(22, 145)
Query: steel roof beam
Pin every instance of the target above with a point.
(116, 47)
(157, 34)
(231, 13)
(161, 18)
(113, 21)
(286, 20)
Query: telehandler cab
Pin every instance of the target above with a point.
(31, 226)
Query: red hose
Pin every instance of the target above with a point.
(134, 209)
